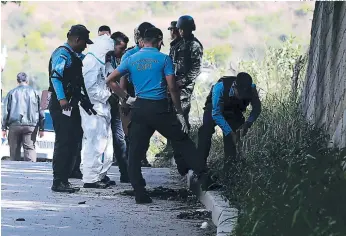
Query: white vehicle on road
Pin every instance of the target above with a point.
(44, 145)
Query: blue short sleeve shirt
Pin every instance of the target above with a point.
(148, 69)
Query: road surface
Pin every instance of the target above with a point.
(25, 193)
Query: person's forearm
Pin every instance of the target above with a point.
(123, 82)
(59, 89)
(175, 95)
(42, 120)
(117, 90)
(41, 115)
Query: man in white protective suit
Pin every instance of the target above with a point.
(97, 149)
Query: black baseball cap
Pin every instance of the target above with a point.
(244, 84)
(173, 25)
(81, 31)
(154, 33)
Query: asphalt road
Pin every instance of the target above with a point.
(25, 193)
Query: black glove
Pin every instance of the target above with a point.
(87, 106)
(245, 128)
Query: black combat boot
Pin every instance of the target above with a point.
(59, 186)
(142, 197)
(145, 163)
(97, 184)
(107, 180)
(124, 179)
(68, 184)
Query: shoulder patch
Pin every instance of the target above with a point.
(63, 56)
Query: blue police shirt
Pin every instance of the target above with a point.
(148, 69)
(217, 100)
(61, 59)
(130, 52)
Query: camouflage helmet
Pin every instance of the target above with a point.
(186, 23)
(139, 31)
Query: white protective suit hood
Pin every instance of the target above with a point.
(102, 44)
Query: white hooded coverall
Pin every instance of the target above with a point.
(97, 149)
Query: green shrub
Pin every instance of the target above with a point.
(273, 73)
(221, 53)
(130, 15)
(17, 19)
(243, 5)
(222, 33)
(211, 5)
(264, 22)
(303, 10)
(68, 23)
(227, 30)
(46, 29)
(9, 75)
(33, 41)
(285, 180)
(29, 9)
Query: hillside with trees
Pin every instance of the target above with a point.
(230, 31)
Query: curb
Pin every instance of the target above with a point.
(223, 216)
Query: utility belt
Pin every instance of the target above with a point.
(149, 105)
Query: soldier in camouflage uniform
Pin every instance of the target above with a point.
(177, 40)
(187, 60)
(175, 37)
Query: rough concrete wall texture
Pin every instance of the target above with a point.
(324, 95)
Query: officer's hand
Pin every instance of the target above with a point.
(125, 110)
(245, 128)
(184, 126)
(65, 105)
(180, 83)
(41, 134)
(130, 101)
(4, 133)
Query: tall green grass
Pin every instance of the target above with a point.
(285, 180)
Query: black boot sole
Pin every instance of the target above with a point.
(144, 201)
(125, 181)
(95, 186)
(63, 190)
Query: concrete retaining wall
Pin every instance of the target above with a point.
(324, 97)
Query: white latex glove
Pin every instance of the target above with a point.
(183, 123)
(130, 101)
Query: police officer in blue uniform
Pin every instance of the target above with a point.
(138, 36)
(225, 104)
(151, 72)
(66, 87)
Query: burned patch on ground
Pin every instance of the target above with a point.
(163, 193)
(195, 215)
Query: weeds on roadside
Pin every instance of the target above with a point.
(286, 180)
